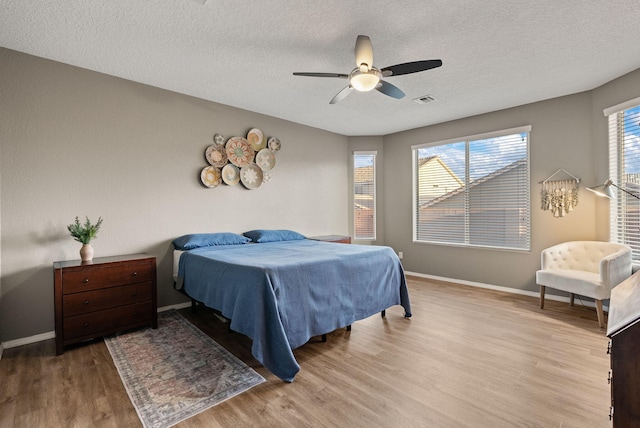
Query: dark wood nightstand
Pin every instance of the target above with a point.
(341, 239)
(104, 296)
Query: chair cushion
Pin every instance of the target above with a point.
(578, 255)
(573, 281)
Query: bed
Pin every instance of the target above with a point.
(281, 289)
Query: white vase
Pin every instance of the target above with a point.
(86, 253)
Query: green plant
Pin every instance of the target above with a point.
(84, 232)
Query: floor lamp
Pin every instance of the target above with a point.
(607, 191)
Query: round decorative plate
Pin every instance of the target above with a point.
(216, 155)
(274, 144)
(239, 151)
(218, 139)
(256, 139)
(266, 159)
(251, 176)
(210, 176)
(230, 174)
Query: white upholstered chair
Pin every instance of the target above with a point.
(586, 268)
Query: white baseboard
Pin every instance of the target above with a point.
(52, 334)
(501, 288)
(178, 306)
(27, 340)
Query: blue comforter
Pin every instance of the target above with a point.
(281, 294)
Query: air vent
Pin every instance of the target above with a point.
(425, 99)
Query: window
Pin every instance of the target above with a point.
(474, 191)
(364, 195)
(624, 170)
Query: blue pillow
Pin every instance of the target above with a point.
(197, 240)
(262, 235)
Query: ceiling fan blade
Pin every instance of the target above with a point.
(340, 75)
(364, 52)
(342, 94)
(389, 89)
(410, 67)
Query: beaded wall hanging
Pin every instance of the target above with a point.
(560, 196)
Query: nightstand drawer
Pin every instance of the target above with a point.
(91, 301)
(105, 322)
(93, 278)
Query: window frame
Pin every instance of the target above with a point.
(373, 154)
(621, 229)
(467, 139)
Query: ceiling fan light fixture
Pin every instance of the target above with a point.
(364, 81)
(365, 77)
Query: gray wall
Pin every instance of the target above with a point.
(75, 142)
(568, 132)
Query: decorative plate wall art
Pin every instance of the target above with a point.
(210, 176)
(216, 155)
(230, 174)
(256, 139)
(219, 139)
(274, 144)
(239, 151)
(266, 159)
(251, 176)
(243, 160)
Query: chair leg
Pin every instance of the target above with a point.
(542, 288)
(600, 313)
(571, 298)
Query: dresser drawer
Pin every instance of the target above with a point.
(96, 277)
(112, 297)
(105, 322)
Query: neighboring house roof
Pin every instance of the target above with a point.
(475, 183)
(431, 159)
(422, 161)
(362, 207)
(363, 174)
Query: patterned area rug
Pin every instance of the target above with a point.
(176, 371)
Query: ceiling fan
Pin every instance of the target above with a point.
(365, 77)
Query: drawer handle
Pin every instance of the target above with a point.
(135, 293)
(86, 302)
(86, 324)
(85, 280)
(134, 274)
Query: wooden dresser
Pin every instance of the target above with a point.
(624, 346)
(104, 296)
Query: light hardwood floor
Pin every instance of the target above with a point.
(468, 358)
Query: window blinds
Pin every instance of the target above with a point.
(624, 167)
(474, 191)
(364, 195)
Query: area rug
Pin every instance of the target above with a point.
(176, 371)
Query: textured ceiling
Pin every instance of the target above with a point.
(496, 53)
